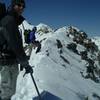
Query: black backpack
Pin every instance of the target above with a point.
(2, 14)
(2, 10)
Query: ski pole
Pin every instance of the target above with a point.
(36, 86)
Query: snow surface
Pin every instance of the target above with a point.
(59, 79)
(97, 41)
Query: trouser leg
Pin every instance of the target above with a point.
(8, 81)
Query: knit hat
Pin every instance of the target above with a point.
(14, 2)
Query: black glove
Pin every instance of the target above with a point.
(28, 69)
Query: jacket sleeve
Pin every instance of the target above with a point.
(13, 38)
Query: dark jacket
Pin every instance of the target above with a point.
(12, 36)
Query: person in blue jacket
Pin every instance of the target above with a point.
(32, 36)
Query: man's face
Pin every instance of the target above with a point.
(19, 8)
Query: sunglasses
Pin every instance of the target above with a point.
(20, 5)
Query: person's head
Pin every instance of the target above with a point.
(34, 29)
(18, 6)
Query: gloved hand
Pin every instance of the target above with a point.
(28, 69)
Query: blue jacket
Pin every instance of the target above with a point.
(32, 36)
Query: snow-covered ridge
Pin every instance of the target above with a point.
(44, 28)
(97, 41)
(60, 69)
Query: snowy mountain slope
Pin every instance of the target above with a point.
(97, 41)
(57, 70)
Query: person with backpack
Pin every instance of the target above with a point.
(32, 35)
(30, 39)
(29, 35)
(11, 50)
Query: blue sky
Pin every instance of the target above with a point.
(84, 14)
